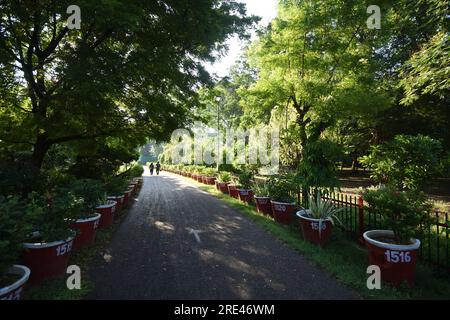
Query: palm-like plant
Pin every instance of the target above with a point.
(323, 210)
(261, 189)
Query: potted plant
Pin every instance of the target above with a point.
(223, 180)
(282, 200)
(262, 198)
(395, 249)
(115, 187)
(317, 222)
(93, 194)
(210, 176)
(107, 210)
(13, 277)
(245, 180)
(48, 247)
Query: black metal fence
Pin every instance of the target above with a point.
(356, 220)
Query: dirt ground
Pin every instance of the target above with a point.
(438, 191)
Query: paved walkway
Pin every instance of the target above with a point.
(178, 242)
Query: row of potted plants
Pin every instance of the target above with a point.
(403, 213)
(41, 231)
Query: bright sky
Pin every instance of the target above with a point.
(267, 10)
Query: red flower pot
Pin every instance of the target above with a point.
(263, 205)
(14, 290)
(47, 260)
(210, 180)
(397, 262)
(310, 229)
(127, 197)
(119, 205)
(232, 191)
(283, 212)
(107, 213)
(87, 229)
(133, 187)
(245, 195)
(223, 186)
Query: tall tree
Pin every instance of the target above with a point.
(315, 57)
(131, 71)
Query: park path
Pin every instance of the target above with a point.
(178, 242)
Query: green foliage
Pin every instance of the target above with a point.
(403, 212)
(318, 166)
(261, 189)
(91, 192)
(210, 172)
(406, 162)
(13, 230)
(281, 188)
(245, 179)
(322, 210)
(124, 77)
(52, 216)
(135, 171)
(116, 185)
(428, 70)
(224, 177)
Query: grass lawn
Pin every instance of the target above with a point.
(343, 258)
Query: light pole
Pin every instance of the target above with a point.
(218, 132)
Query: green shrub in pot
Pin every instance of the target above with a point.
(403, 212)
(244, 179)
(224, 177)
(13, 231)
(93, 194)
(135, 171)
(116, 185)
(261, 189)
(280, 188)
(210, 172)
(52, 216)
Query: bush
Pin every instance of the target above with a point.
(403, 212)
(406, 162)
(224, 177)
(116, 185)
(261, 189)
(136, 171)
(92, 193)
(245, 179)
(210, 172)
(13, 231)
(318, 166)
(281, 188)
(52, 216)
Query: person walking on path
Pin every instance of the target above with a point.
(158, 168)
(152, 167)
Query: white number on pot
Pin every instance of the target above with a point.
(96, 223)
(315, 226)
(64, 248)
(398, 256)
(279, 207)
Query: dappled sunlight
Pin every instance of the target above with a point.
(164, 227)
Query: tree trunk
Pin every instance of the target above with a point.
(40, 150)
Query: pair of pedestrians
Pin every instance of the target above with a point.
(152, 168)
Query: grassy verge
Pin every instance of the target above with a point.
(343, 258)
(56, 289)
